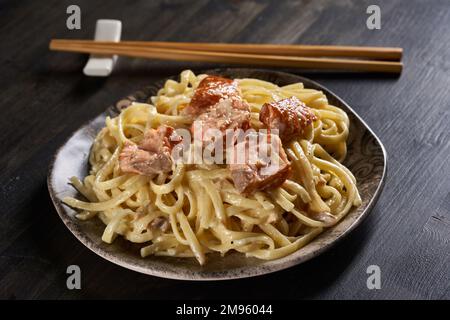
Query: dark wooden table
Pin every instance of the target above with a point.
(44, 97)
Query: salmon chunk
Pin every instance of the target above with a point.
(290, 116)
(152, 155)
(159, 140)
(260, 173)
(222, 116)
(210, 91)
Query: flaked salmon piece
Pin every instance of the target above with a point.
(290, 116)
(210, 91)
(222, 116)
(152, 155)
(259, 173)
(162, 139)
(132, 159)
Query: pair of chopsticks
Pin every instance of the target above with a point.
(348, 58)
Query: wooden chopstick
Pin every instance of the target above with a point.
(140, 51)
(378, 53)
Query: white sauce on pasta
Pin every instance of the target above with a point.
(205, 212)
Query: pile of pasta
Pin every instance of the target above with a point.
(205, 212)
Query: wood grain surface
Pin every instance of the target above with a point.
(44, 97)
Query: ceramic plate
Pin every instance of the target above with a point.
(366, 159)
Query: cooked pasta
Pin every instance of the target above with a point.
(195, 209)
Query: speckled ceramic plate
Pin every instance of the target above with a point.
(366, 159)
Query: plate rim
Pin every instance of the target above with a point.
(220, 275)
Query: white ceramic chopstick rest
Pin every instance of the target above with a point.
(105, 30)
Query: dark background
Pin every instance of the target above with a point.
(44, 97)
